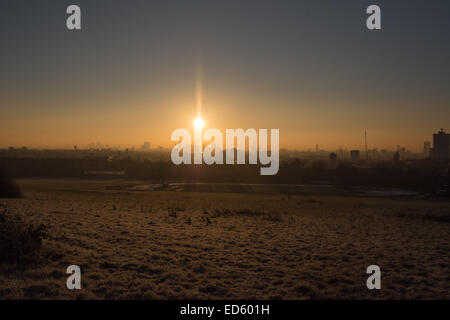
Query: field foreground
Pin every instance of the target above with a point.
(204, 245)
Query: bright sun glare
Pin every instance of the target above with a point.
(198, 123)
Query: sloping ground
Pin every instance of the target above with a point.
(164, 245)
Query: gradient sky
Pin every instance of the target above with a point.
(309, 68)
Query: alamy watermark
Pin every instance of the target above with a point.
(73, 21)
(374, 281)
(213, 153)
(74, 280)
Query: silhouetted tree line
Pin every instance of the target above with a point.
(419, 177)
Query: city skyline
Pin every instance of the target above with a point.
(146, 146)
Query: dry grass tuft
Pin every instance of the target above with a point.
(19, 242)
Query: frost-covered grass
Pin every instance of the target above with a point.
(168, 244)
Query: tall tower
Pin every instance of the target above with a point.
(365, 142)
(441, 146)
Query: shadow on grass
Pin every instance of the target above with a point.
(7, 188)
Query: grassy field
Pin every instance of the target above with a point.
(205, 245)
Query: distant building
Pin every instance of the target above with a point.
(333, 160)
(354, 155)
(441, 146)
(145, 147)
(426, 148)
(341, 153)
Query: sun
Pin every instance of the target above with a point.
(198, 123)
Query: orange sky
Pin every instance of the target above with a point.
(132, 120)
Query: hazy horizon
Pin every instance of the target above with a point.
(138, 148)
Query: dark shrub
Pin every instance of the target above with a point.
(19, 242)
(7, 188)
